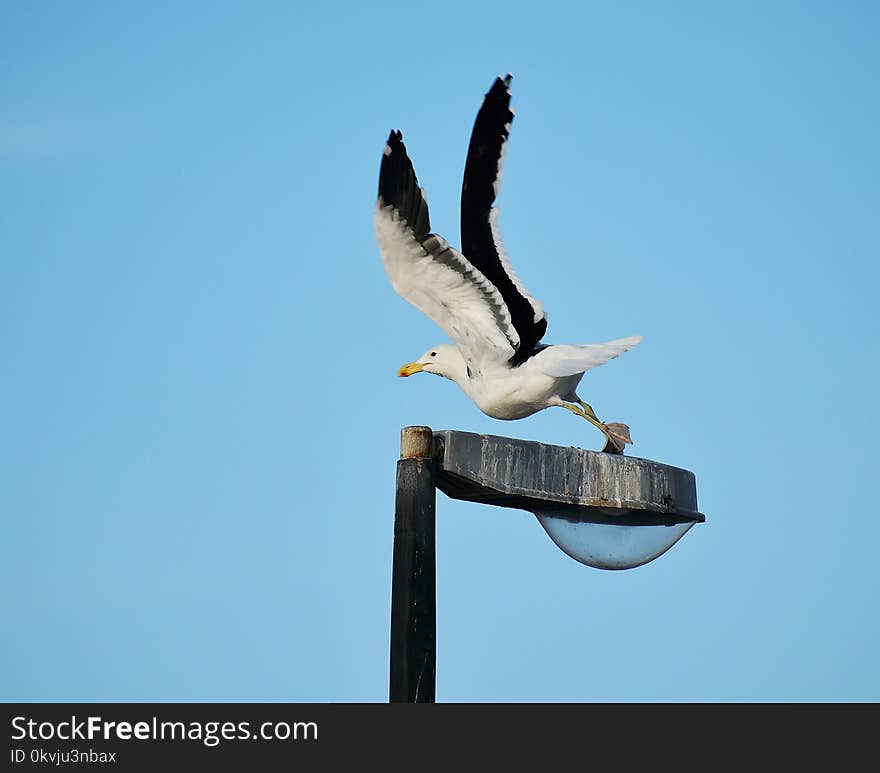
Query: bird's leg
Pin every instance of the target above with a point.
(588, 409)
(616, 434)
(616, 430)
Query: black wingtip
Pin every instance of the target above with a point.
(393, 161)
(500, 87)
(482, 167)
(399, 186)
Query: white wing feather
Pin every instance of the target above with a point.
(440, 282)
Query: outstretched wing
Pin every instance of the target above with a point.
(480, 236)
(431, 275)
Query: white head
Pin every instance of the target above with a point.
(444, 360)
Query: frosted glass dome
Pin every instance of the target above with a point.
(609, 545)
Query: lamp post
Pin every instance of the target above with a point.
(414, 576)
(604, 510)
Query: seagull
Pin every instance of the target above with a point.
(474, 295)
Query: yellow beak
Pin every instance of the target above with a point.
(410, 368)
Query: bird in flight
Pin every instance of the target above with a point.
(474, 295)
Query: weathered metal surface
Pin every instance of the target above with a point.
(414, 585)
(588, 485)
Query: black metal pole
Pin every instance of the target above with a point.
(414, 574)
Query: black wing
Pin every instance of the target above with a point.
(480, 237)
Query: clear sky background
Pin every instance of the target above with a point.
(200, 415)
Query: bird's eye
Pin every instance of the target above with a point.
(433, 354)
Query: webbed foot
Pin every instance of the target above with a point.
(616, 437)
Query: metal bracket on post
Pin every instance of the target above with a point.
(414, 581)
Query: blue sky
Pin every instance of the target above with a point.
(200, 415)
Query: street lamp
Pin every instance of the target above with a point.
(604, 510)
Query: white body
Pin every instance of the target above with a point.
(519, 392)
(547, 379)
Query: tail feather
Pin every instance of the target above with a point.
(571, 359)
